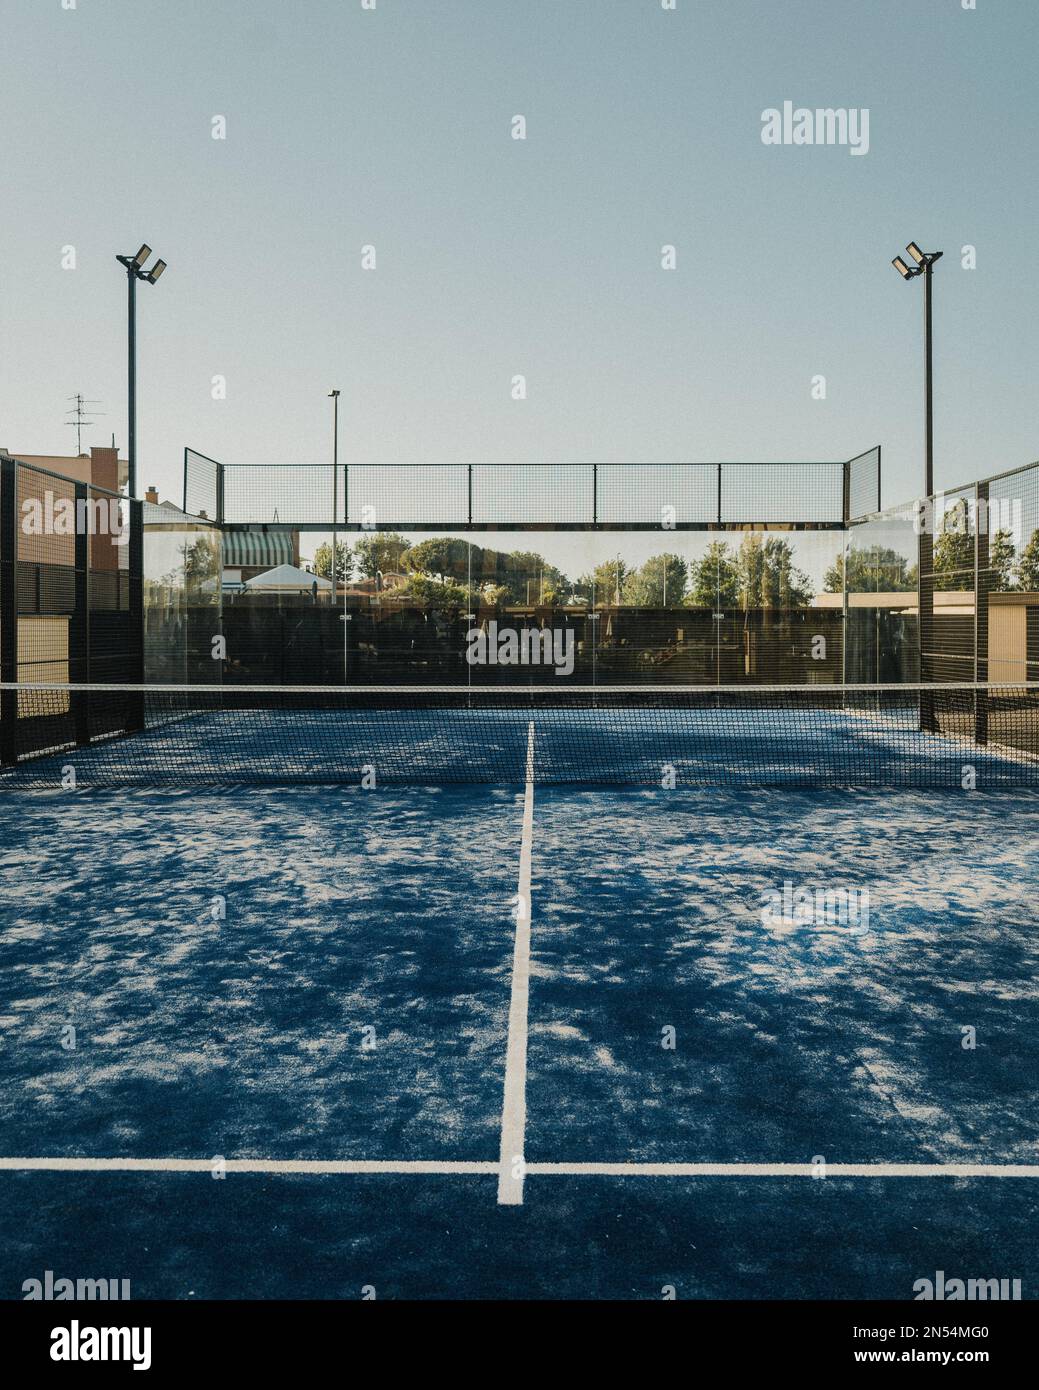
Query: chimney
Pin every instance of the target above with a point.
(104, 467)
(152, 495)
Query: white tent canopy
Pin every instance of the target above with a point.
(287, 579)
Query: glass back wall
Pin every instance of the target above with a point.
(182, 577)
(761, 607)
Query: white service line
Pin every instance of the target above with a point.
(785, 1170)
(435, 1166)
(514, 1105)
(440, 1167)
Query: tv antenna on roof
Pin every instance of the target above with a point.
(78, 413)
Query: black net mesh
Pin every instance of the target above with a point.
(283, 494)
(966, 737)
(789, 493)
(528, 496)
(864, 484)
(657, 494)
(202, 485)
(49, 574)
(534, 494)
(71, 595)
(1008, 578)
(416, 494)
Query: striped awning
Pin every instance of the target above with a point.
(250, 549)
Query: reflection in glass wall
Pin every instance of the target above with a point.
(879, 569)
(757, 606)
(182, 573)
(1010, 578)
(949, 650)
(584, 606)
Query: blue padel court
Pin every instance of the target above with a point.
(532, 1041)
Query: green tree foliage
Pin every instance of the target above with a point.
(715, 580)
(379, 552)
(1028, 565)
(436, 593)
(871, 569)
(659, 583)
(201, 561)
(768, 576)
(605, 584)
(954, 549)
(523, 575)
(323, 561)
(444, 558)
(1001, 558)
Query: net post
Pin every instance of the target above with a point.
(8, 610)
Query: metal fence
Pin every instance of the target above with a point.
(70, 595)
(535, 496)
(979, 581)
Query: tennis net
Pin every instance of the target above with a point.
(957, 736)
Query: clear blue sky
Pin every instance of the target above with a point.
(497, 257)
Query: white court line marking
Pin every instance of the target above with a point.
(785, 1170)
(441, 1166)
(465, 1168)
(514, 1104)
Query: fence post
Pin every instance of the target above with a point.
(79, 628)
(925, 617)
(135, 562)
(982, 586)
(8, 609)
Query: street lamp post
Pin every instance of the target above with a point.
(134, 266)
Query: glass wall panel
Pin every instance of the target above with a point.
(182, 578)
(880, 565)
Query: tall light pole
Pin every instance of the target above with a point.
(924, 263)
(135, 271)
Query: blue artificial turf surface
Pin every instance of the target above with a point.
(392, 911)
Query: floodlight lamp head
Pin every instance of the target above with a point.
(902, 268)
(155, 272)
(142, 256)
(916, 253)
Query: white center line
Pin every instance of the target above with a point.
(514, 1105)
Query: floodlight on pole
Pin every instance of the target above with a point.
(134, 267)
(924, 266)
(925, 261)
